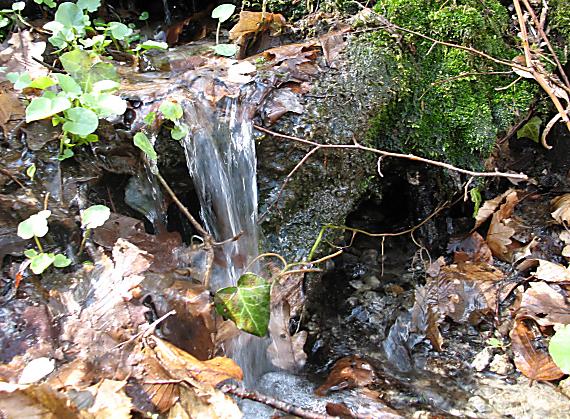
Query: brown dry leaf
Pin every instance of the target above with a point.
(110, 400)
(489, 207)
(561, 206)
(183, 366)
(533, 362)
(278, 103)
(565, 237)
(333, 43)
(285, 351)
(11, 107)
(545, 305)
(300, 52)
(552, 272)
(253, 22)
(501, 230)
(37, 401)
(348, 372)
(472, 248)
(197, 404)
(19, 56)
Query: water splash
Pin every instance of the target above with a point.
(220, 152)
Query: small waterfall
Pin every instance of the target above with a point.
(167, 13)
(220, 153)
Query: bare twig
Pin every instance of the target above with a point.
(270, 401)
(356, 146)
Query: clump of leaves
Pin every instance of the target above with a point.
(36, 226)
(76, 100)
(223, 12)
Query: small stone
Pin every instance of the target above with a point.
(481, 360)
(372, 282)
(501, 365)
(565, 387)
(478, 404)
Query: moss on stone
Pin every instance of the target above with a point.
(560, 18)
(447, 106)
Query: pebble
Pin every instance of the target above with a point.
(501, 365)
(482, 360)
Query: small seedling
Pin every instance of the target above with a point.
(93, 217)
(36, 226)
(223, 12)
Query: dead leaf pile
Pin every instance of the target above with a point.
(256, 31)
(109, 364)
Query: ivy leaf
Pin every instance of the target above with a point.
(531, 129)
(80, 121)
(43, 107)
(247, 304)
(94, 216)
(61, 261)
(35, 225)
(226, 50)
(142, 142)
(41, 262)
(223, 12)
(171, 110)
(559, 348)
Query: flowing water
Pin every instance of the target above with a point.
(220, 152)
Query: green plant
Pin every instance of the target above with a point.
(559, 347)
(223, 12)
(48, 3)
(76, 100)
(36, 226)
(10, 17)
(92, 217)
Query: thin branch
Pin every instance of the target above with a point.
(356, 146)
(270, 401)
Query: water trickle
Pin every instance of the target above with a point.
(220, 153)
(167, 13)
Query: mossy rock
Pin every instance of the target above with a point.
(451, 104)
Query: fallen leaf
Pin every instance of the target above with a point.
(546, 306)
(110, 400)
(11, 108)
(561, 206)
(532, 361)
(348, 372)
(285, 351)
(472, 248)
(501, 231)
(552, 272)
(36, 370)
(19, 56)
(278, 103)
(183, 366)
(333, 43)
(489, 207)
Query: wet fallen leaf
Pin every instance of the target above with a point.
(561, 206)
(333, 43)
(19, 56)
(348, 372)
(472, 248)
(533, 361)
(255, 28)
(545, 305)
(110, 400)
(183, 366)
(552, 272)
(285, 351)
(195, 403)
(278, 103)
(565, 237)
(11, 107)
(499, 235)
(489, 207)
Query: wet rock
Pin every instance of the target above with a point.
(501, 365)
(482, 360)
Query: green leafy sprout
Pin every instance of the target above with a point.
(223, 12)
(36, 226)
(92, 217)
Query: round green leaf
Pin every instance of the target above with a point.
(30, 253)
(226, 50)
(119, 30)
(150, 44)
(60, 261)
(142, 142)
(104, 104)
(80, 121)
(179, 131)
(42, 82)
(43, 107)
(31, 171)
(559, 348)
(35, 225)
(41, 262)
(70, 15)
(89, 5)
(171, 110)
(223, 12)
(21, 81)
(247, 304)
(19, 6)
(94, 216)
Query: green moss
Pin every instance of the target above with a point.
(560, 18)
(447, 106)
